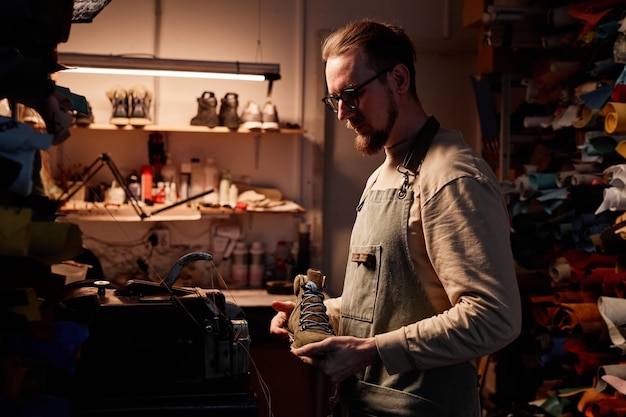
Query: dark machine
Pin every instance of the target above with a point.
(156, 349)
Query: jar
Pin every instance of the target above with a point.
(257, 265)
(239, 267)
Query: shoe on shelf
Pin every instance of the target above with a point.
(309, 322)
(251, 117)
(207, 110)
(228, 111)
(119, 100)
(270, 117)
(140, 99)
(83, 119)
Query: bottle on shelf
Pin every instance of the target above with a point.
(211, 181)
(171, 193)
(115, 194)
(168, 170)
(185, 177)
(146, 184)
(257, 265)
(280, 261)
(134, 187)
(239, 268)
(224, 189)
(159, 195)
(233, 193)
(197, 178)
(169, 176)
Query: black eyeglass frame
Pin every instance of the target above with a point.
(351, 93)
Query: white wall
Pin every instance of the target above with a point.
(288, 32)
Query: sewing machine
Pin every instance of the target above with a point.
(156, 345)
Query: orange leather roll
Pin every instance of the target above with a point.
(614, 117)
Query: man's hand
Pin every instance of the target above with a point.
(278, 325)
(339, 357)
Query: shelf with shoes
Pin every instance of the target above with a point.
(131, 111)
(130, 121)
(187, 129)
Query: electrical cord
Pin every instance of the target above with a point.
(264, 387)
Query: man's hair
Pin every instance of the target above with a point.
(384, 45)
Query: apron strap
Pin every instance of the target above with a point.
(414, 158)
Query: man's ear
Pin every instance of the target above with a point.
(400, 77)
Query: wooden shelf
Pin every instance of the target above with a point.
(88, 211)
(185, 129)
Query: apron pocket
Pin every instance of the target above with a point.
(387, 402)
(362, 277)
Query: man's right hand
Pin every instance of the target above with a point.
(278, 325)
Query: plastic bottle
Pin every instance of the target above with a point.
(233, 194)
(172, 195)
(225, 183)
(167, 187)
(146, 183)
(185, 177)
(239, 267)
(159, 196)
(257, 265)
(168, 171)
(134, 187)
(197, 178)
(115, 194)
(211, 181)
(211, 175)
(280, 261)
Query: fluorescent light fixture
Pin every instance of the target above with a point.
(160, 67)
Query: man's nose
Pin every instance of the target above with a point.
(344, 111)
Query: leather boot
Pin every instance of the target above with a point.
(207, 111)
(119, 100)
(228, 111)
(140, 99)
(309, 322)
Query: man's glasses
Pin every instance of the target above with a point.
(350, 96)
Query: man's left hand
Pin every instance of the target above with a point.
(339, 357)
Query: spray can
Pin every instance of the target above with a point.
(146, 183)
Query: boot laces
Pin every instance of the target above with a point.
(313, 311)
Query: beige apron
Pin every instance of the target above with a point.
(382, 292)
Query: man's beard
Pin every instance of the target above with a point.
(371, 144)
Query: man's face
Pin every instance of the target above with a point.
(376, 113)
